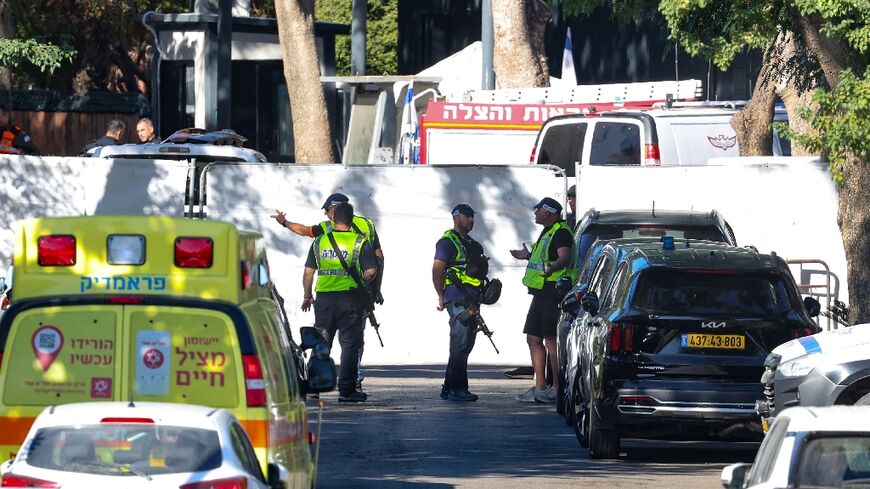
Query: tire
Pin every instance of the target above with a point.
(864, 401)
(580, 418)
(603, 443)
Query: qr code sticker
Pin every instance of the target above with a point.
(47, 341)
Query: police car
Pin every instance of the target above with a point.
(187, 144)
(828, 368)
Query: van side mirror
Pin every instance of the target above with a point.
(734, 476)
(277, 476)
(312, 336)
(812, 306)
(589, 303)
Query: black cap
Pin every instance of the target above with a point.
(572, 190)
(549, 205)
(334, 199)
(463, 209)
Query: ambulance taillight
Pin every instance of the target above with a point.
(12, 480)
(57, 250)
(194, 252)
(255, 387)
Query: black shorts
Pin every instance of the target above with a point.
(543, 316)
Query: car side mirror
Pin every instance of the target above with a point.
(312, 336)
(590, 304)
(571, 302)
(812, 306)
(563, 285)
(277, 476)
(734, 475)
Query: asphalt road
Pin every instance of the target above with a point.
(405, 436)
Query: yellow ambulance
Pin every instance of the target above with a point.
(147, 308)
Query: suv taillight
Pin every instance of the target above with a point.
(255, 387)
(621, 338)
(532, 156)
(12, 480)
(651, 155)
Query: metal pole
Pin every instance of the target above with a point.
(487, 40)
(224, 63)
(358, 37)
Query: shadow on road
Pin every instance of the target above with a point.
(406, 436)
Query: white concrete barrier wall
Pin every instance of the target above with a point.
(56, 186)
(411, 208)
(786, 205)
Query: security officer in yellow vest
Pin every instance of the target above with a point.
(360, 225)
(457, 251)
(549, 260)
(338, 307)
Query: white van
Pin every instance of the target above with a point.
(681, 136)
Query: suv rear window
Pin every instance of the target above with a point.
(615, 143)
(607, 232)
(563, 146)
(705, 292)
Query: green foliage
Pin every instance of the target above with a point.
(105, 38)
(841, 122)
(382, 34)
(45, 56)
(847, 19)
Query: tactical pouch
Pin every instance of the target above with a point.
(490, 292)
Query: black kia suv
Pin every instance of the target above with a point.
(676, 343)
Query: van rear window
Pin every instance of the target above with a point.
(615, 144)
(562, 146)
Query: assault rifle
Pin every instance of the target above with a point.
(470, 312)
(363, 292)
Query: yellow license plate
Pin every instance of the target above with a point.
(714, 341)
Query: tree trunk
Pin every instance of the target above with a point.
(302, 74)
(853, 217)
(518, 52)
(752, 123)
(853, 212)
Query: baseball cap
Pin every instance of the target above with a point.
(572, 190)
(463, 209)
(549, 205)
(334, 199)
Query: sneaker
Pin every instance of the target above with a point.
(354, 396)
(547, 395)
(444, 393)
(520, 373)
(528, 396)
(461, 395)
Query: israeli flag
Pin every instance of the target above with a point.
(569, 76)
(409, 130)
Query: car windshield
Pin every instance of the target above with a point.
(669, 291)
(615, 231)
(124, 449)
(835, 461)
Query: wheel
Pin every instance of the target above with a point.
(602, 443)
(580, 418)
(560, 399)
(570, 406)
(864, 401)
